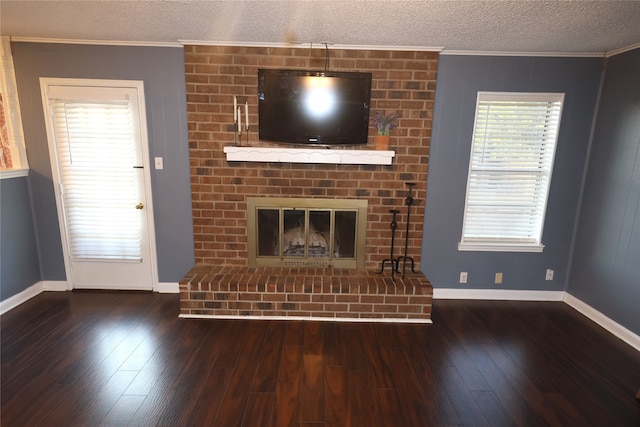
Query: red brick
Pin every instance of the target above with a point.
(409, 309)
(249, 297)
(323, 298)
(299, 297)
(360, 308)
(385, 308)
(274, 297)
(372, 299)
(237, 305)
(420, 300)
(334, 308)
(236, 290)
(392, 299)
(312, 306)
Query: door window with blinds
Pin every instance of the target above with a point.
(512, 153)
(97, 164)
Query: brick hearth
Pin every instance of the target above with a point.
(320, 293)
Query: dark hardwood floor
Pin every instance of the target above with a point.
(118, 359)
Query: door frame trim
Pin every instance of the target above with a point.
(138, 85)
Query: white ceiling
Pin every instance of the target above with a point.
(581, 27)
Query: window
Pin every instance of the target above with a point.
(13, 158)
(512, 152)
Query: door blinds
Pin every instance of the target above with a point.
(95, 146)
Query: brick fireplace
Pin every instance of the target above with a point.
(221, 281)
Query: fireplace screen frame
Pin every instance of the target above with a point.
(282, 204)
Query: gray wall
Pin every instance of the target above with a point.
(19, 267)
(605, 271)
(459, 80)
(162, 71)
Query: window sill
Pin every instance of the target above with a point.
(500, 247)
(14, 173)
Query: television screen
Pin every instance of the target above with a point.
(313, 107)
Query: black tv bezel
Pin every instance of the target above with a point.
(319, 140)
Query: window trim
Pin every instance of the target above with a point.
(509, 245)
(500, 247)
(9, 89)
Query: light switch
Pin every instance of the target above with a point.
(159, 164)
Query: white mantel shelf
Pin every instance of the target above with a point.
(309, 155)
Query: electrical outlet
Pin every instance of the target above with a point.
(159, 163)
(498, 278)
(549, 275)
(463, 277)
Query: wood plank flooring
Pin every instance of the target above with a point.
(126, 359)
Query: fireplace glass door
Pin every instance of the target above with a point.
(310, 233)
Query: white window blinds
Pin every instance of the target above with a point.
(510, 168)
(94, 142)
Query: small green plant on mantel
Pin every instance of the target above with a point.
(385, 122)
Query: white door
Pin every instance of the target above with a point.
(97, 143)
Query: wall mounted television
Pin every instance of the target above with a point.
(313, 107)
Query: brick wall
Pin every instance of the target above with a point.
(403, 81)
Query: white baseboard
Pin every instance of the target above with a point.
(163, 288)
(32, 291)
(55, 285)
(605, 322)
(19, 298)
(168, 288)
(497, 294)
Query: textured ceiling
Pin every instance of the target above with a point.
(487, 26)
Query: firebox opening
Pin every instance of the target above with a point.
(306, 232)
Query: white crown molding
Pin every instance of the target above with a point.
(621, 50)
(96, 42)
(541, 54)
(320, 45)
(168, 288)
(603, 321)
(309, 45)
(21, 297)
(436, 49)
(497, 294)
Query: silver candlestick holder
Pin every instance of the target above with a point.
(238, 123)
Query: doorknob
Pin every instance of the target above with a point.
(139, 206)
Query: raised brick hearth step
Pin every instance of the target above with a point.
(299, 292)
